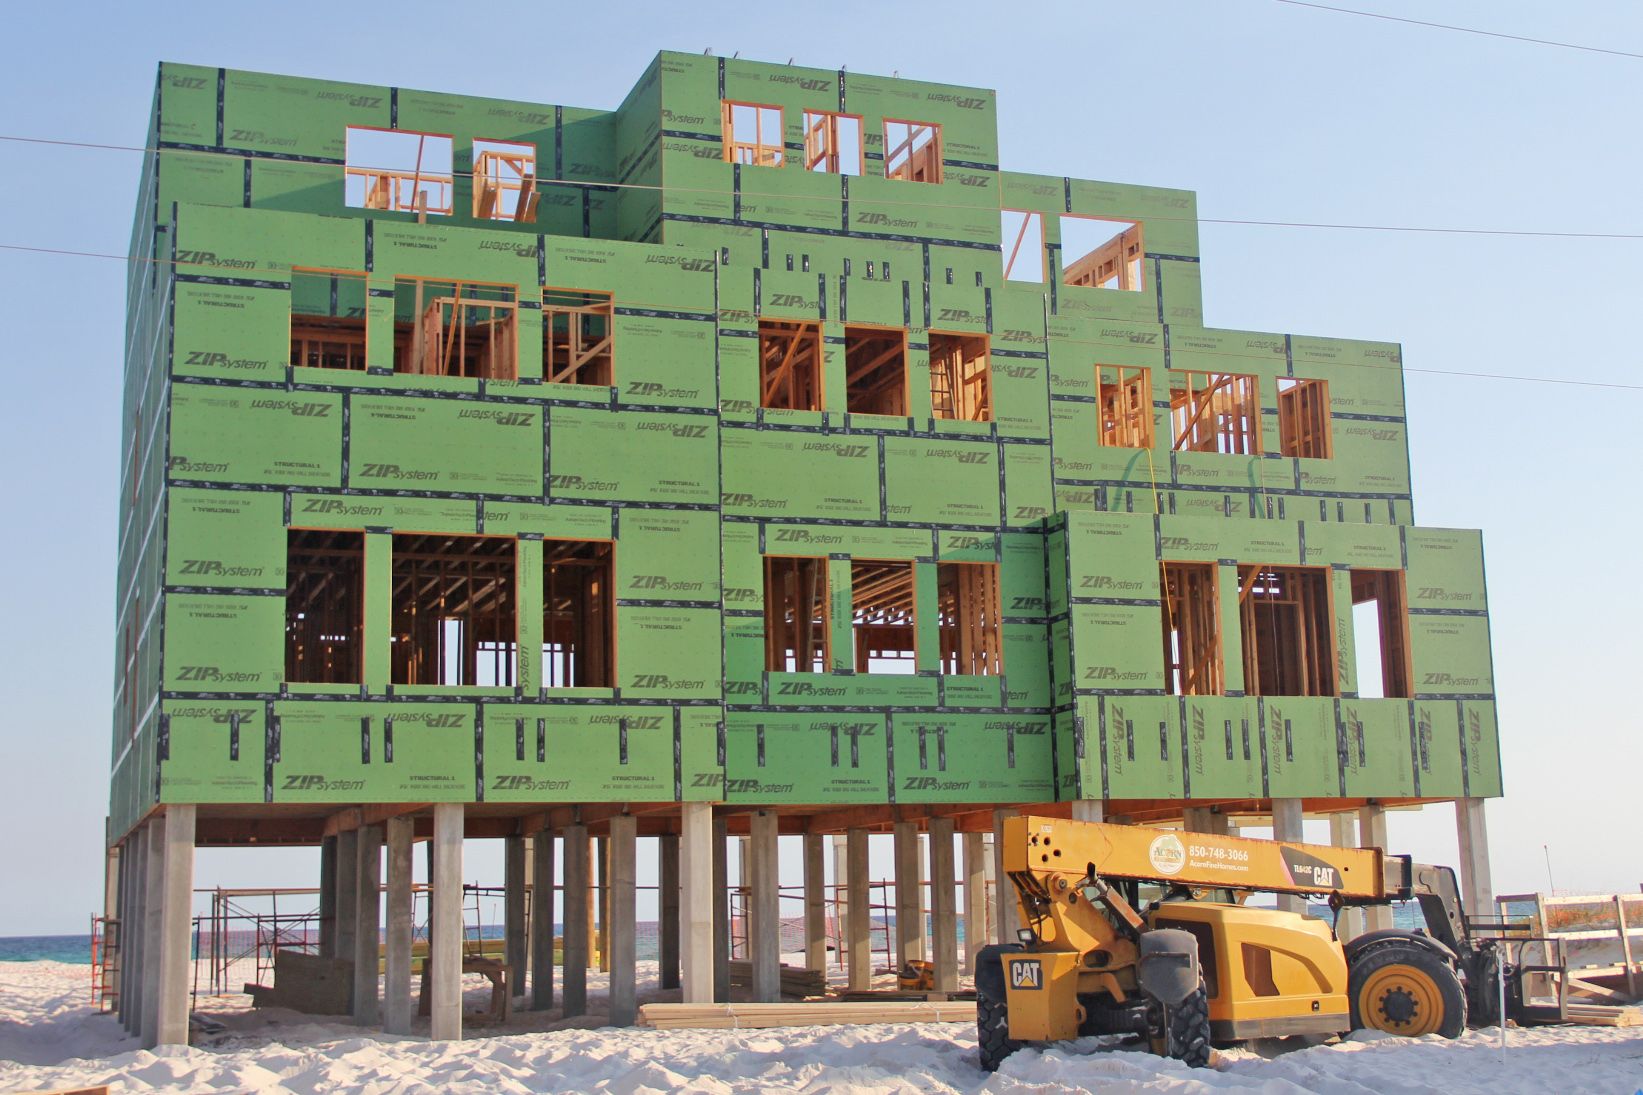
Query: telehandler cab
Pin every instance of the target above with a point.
(1140, 931)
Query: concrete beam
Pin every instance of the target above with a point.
(764, 928)
(1286, 825)
(858, 923)
(445, 905)
(367, 921)
(1007, 918)
(1476, 883)
(697, 872)
(909, 894)
(515, 943)
(943, 905)
(541, 919)
(1372, 834)
(622, 928)
(396, 990)
(1089, 809)
(815, 902)
(975, 898)
(667, 883)
(577, 879)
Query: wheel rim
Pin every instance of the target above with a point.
(1401, 1000)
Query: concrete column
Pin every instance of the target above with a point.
(153, 925)
(515, 944)
(136, 985)
(347, 892)
(909, 893)
(1286, 825)
(1195, 819)
(815, 903)
(1476, 886)
(859, 917)
(445, 904)
(696, 899)
(367, 921)
(921, 929)
(622, 850)
(667, 888)
(943, 905)
(1343, 833)
(576, 920)
(542, 920)
(396, 990)
(1007, 918)
(721, 911)
(601, 847)
(175, 922)
(975, 899)
(328, 896)
(1372, 834)
(131, 931)
(764, 923)
(1089, 809)
(841, 904)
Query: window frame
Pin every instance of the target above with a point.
(529, 197)
(448, 182)
(1130, 279)
(364, 341)
(732, 147)
(773, 650)
(1304, 398)
(906, 369)
(831, 131)
(936, 157)
(1249, 401)
(1121, 424)
(957, 381)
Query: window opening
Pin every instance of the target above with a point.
(875, 370)
(455, 328)
(1104, 254)
(881, 604)
(578, 614)
(578, 336)
(454, 611)
(967, 600)
(1380, 634)
(912, 151)
(832, 143)
(790, 365)
(327, 319)
(753, 134)
(960, 377)
(1215, 412)
(1124, 396)
(505, 181)
(1023, 235)
(1288, 631)
(324, 606)
(795, 615)
(1192, 632)
(398, 170)
(1303, 418)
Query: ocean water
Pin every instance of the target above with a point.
(55, 948)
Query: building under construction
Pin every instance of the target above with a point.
(755, 458)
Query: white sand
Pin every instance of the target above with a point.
(50, 1037)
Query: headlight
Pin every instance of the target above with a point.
(1026, 936)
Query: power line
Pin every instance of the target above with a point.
(1253, 222)
(1463, 30)
(1399, 368)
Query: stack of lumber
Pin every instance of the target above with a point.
(1604, 1015)
(825, 1013)
(795, 981)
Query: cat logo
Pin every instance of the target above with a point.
(1026, 973)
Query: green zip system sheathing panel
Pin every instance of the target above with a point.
(677, 465)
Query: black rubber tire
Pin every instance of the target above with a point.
(1187, 1030)
(1415, 962)
(993, 1031)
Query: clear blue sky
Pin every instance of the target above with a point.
(1269, 111)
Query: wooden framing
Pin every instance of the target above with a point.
(1386, 589)
(578, 337)
(912, 150)
(578, 614)
(1303, 418)
(796, 614)
(823, 148)
(968, 606)
(1192, 629)
(504, 180)
(1287, 624)
(324, 606)
(1119, 263)
(403, 190)
(766, 148)
(961, 377)
(790, 364)
(883, 617)
(457, 328)
(1021, 236)
(875, 370)
(1124, 403)
(332, 338)
(454, 610)
(1215, 412)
